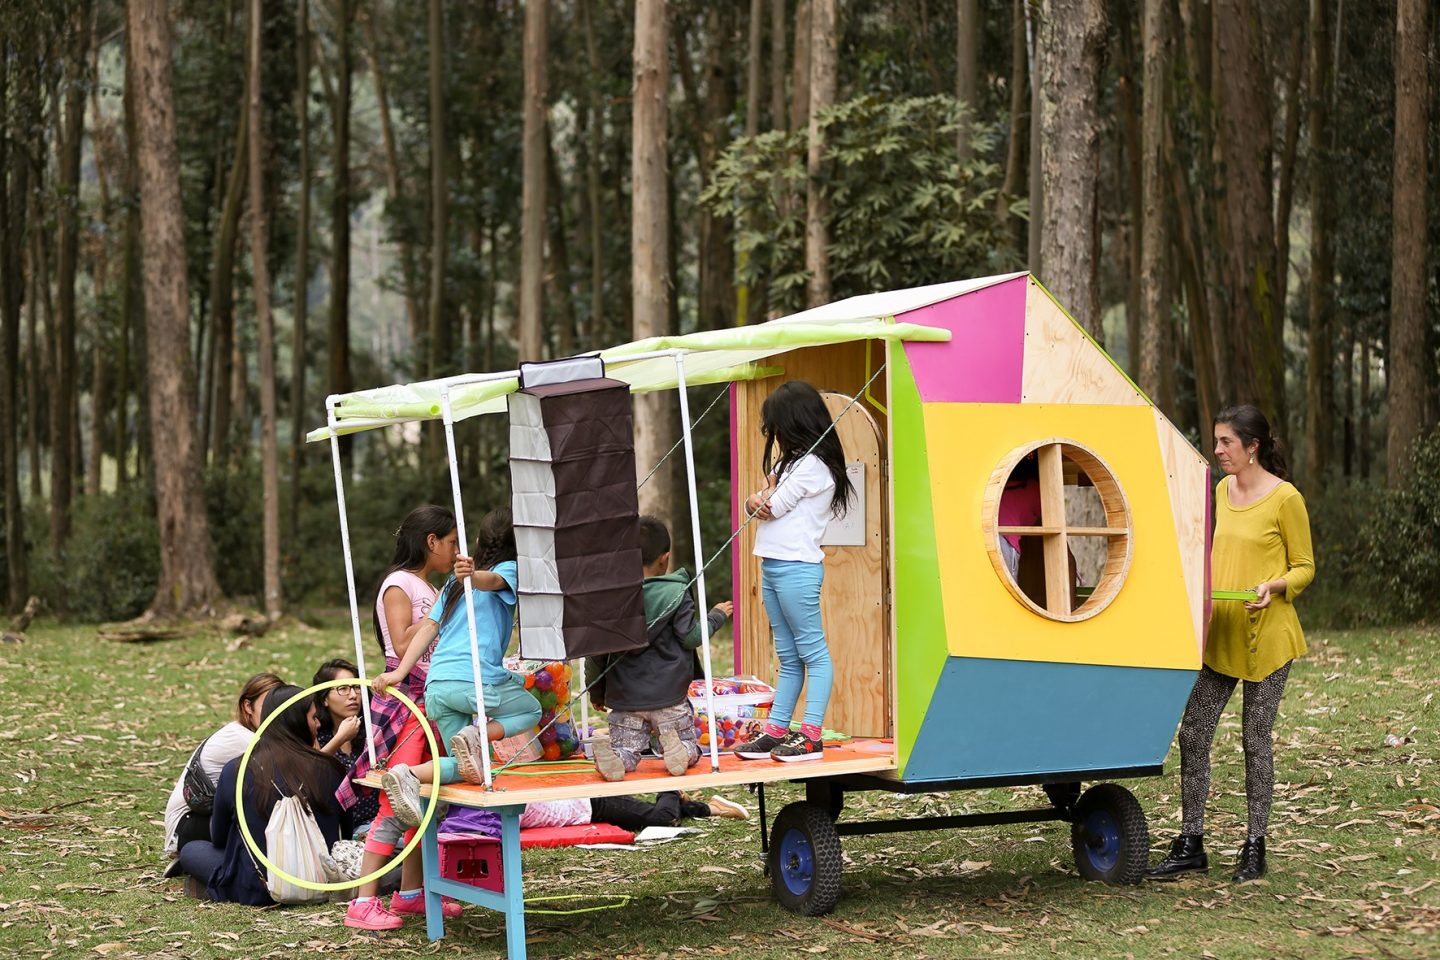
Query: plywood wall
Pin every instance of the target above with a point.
(855, 592)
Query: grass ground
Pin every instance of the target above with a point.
(95, 733)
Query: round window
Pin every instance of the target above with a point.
(1057, 529)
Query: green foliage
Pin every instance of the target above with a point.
(1377, 554)
(903, 211)
(110, 567)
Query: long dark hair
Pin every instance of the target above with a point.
(1251, 426)
(793, 419)
(412, 544)
(494, 544)
(327, 672)
(286, 756)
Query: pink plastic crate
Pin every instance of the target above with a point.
(473, 859)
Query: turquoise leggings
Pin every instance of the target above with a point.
(791, 592)
(451, 705)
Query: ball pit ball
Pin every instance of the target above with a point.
(543, 680)
(552, 751)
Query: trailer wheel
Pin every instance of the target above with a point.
(804, 862)
(1109, 835)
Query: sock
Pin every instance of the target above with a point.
(411, 894)
(774, 729)
(363, 899)
(811, 730)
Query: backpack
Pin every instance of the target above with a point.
(293, 843)
(197, 789)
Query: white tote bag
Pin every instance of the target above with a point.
(293, 843)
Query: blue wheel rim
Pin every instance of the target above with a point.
(1102, 840)
(797, 862)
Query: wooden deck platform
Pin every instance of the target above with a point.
(532, 784)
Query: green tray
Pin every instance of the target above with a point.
(1234, 595)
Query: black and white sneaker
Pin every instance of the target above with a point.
(757, 749)
(797, 747)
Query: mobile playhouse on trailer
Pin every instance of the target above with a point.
(952, 671)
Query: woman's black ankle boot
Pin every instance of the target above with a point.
(1187, 855)
(1252, 860)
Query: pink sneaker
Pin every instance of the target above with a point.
(449, 908)
(371, 914)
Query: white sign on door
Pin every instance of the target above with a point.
(849, 530)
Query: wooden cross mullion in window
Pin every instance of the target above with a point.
(1056, 537)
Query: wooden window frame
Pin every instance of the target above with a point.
(1055, 530)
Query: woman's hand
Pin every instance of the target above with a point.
(758, 504)
(464, 567)
(346, 730)
(381, 683)
(1266, 592)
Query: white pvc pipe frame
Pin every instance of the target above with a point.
(447, 418)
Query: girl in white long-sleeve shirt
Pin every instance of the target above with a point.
(805, 488)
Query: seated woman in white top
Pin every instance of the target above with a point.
(181, 824)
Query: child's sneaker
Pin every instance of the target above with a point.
(797, 747)
(415, 905)
(465, 747)
(757, 749)
(371, 914)
(607, 761)
(403, 789)
(674, 753)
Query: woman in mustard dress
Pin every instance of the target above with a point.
(1262, 542)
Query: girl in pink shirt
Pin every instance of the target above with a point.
(425, 544)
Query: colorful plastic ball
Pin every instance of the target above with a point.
(543, 680)
(529, 682)
(548, 736)
(562, 690)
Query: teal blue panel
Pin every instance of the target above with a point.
(997, 718)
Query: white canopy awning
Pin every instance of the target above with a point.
(711, 356)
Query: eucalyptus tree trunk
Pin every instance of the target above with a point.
(1318, 408)
(532, 194)
(14, 190)
(595, 325)
(1405, 383)
(259, 264)
(1154, 304)
(222, 299)
(64, 386)
(1019, 124)
(440, 352)
(1251, 331)
(300, 309)
(339, 325)
(777, 65)
(817, 205)
(800, 69)
(967, 71)
(394, 184)
(132, 300)
(650, 244)
(1070, 39)
(187, 577)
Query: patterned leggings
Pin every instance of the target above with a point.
(1197, 733)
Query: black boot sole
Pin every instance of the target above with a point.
(1176, 874)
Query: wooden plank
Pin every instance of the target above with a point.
(1052, 514)
(855, 596)
(1098, 531)
(1062, 365)
(859, 756)
(1026, 531)
(1186, 473)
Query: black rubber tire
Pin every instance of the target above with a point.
(804, 860)
(1109, 835)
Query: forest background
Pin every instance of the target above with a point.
(213, 213)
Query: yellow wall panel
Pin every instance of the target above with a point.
(1149, 623)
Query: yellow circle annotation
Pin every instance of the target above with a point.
(389, 865)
